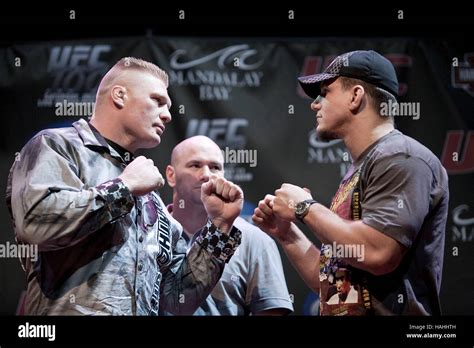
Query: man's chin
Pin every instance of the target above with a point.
(325, 135)
(151, 143)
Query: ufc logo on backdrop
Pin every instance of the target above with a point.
(223, 131)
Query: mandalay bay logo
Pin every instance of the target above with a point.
(218, 73)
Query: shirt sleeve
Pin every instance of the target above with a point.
(266, 288)
(396, 198)
(192, 275)
(51, 206)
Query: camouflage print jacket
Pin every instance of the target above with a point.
(102, 250)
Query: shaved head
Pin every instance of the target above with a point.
(193, 161)
(197, 146)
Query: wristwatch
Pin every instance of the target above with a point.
(302, 208)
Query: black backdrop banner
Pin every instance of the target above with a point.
(243, 93)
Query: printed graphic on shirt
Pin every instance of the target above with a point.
(152, 217)
(343, 290)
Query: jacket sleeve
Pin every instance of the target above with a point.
(50, 205)
(191, 277)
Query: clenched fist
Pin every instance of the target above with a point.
(141, 176)
(264, 218)
(223, 201)
(286, 198)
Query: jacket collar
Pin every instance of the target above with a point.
(95, 141)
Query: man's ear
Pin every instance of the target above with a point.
(117, 94)
(357, 98)
(170, 176)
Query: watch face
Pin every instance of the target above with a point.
(300, 208)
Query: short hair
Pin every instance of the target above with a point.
(377, 95)
(124, 64)
(143, 65)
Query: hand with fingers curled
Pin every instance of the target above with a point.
(141, 176)
(265, 218)
(223, 201)
(286, 199)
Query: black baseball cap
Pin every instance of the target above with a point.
(368, 66)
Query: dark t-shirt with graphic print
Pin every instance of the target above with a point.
(399, 188)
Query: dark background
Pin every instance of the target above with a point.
(422, 46)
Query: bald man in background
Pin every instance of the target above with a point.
(107, 244)
(253, 281)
